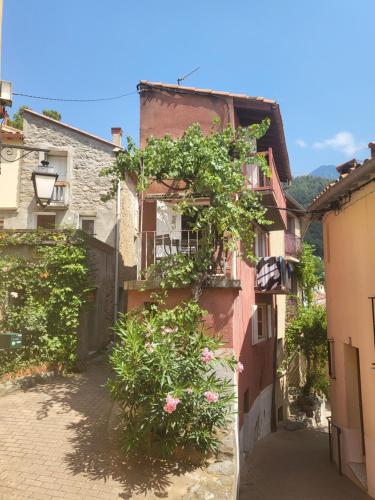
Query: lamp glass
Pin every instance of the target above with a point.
(44, 184)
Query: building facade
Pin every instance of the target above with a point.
(240, 301)
(348, 213)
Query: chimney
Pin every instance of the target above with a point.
(372, 147)
(116, 136)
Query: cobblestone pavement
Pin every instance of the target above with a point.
(295, 466)
(56, 442)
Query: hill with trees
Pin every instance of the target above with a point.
(304, 188)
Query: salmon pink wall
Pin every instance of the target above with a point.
(164, 113)
(257, 359)
(218, 302)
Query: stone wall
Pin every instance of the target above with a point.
(86, 156)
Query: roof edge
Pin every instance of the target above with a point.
(70, 127)
(342, 186)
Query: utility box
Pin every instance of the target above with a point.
(5, 93)
(10, 340)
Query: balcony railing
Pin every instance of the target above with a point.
(273, 275)
(60, 194)
(152, 247)
(258, 181)
(292, 244)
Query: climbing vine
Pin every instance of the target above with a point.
(44, 283)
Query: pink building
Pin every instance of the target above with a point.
(241, 298)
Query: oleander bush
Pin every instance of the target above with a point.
(166, 381)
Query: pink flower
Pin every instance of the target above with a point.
(170, 404)
(189, 390)
(150, 346)
(207, 355)
(212, 397)
(240, 367)
(167, 329)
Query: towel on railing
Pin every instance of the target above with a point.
(271, 273)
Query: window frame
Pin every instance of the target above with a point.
(266, 322)
(83, 218)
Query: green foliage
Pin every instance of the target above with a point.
(42, 296)
(304, 188)
(51, 113)
(17, 120)
(307, 331)
(159, 353)
(309, 273)
(204, 166)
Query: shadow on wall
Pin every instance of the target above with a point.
(95, 443)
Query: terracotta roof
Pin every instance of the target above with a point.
(197, 90)
(70, 127)
(10, 132)
(351, 173)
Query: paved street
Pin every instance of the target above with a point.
(56, 442)
(294, 465)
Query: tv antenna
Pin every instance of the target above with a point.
(179, 80)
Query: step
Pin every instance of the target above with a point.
(359, 471)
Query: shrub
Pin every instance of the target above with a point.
(165, 382)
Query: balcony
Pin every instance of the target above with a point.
(273, 276)
(152, 247)
(293, 245)
(60, 196)
(272, 192)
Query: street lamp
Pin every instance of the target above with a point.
(44, 183)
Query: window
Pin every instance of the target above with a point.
(291, 225)
(46, 221)
(87, 224)
(58, 163)
(331, 358)
(260, 243)
(261, 323)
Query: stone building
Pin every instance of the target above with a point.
(77, 157)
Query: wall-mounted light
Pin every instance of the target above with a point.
(44, 183)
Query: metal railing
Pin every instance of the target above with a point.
(60, 194)
(292, 244)
(332, 425)
(153, 246)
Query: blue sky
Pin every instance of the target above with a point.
(314, 58)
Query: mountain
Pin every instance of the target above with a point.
(326, 171)
(304, 188)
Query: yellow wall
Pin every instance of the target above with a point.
(9, 180)
(349, 246)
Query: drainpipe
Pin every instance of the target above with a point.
(116, 139)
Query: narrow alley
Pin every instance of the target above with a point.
(291, 465)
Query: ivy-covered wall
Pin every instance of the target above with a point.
(56, 289)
